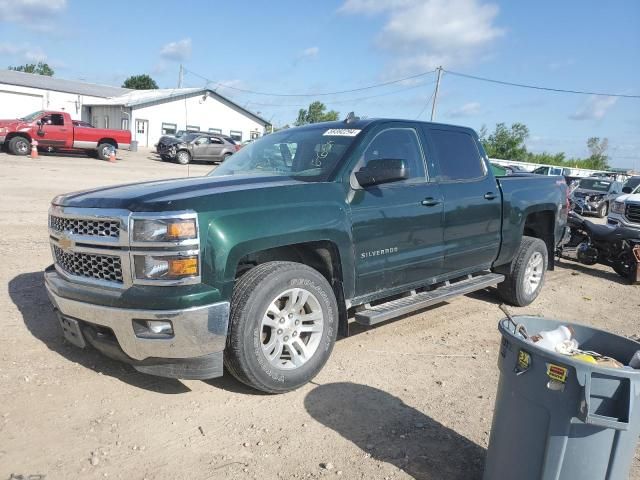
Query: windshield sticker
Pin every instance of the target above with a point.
(342, 132)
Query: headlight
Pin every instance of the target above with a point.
(164, 229)
(3, 130)
(149, 267)
(618, 207)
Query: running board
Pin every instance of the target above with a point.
(372, 315)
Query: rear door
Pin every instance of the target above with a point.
(54, 132)
(217, 144)
(396, 227)
(472, 200)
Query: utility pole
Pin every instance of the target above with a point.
(435, 94)
(180, 76)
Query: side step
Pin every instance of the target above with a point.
(372, 315)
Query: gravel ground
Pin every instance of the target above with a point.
(385, 406)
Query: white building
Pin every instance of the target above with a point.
(149, 114)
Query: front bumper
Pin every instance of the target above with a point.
(582, 206)
(199, 332)
(619, 219)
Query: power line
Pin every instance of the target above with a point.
(426, 104)
(319, 94)
(342, 101)
(537, 87)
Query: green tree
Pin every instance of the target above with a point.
(315, 113)
(598, 159)
(506, 143)
(39, 68)
(140, 82)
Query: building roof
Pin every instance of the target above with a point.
(136, 98)
(11, 77)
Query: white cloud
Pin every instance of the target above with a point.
(177, 51)
(467, 110)
(33, 14)
(595, 108)
(307, 53)
(23, 51)
(423, 34)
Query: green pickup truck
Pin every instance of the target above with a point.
(260, 265)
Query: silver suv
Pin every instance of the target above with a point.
(209, 147)
(625, 210)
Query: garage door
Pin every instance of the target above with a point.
(16, 105)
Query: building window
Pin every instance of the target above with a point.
(106, 121)
(193, 128)
(169, 128)
(124, 123)
(236, 135)
(215, 130)
(255, 134)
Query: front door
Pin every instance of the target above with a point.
(142, 133)
(216, 147)
(54, 132)
(397, 227)
(473, 203)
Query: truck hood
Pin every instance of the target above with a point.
(628, 197)
(173, 194)
(581, 192)
(13, 123)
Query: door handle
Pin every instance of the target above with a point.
(490, 196)
(430, 202)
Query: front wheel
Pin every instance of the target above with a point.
(525, 274)
(282, 327)
(603, 210)
(183, 157)
(104, 151)
(19, 146)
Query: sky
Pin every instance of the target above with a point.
(310, 48)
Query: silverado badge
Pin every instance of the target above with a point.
(65, 242)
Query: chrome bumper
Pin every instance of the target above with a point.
(198, 331)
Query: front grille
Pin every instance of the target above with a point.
(633, 213)
(80, 226)
(100, 267)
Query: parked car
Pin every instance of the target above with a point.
(625, 210)
(56, 130)
(210, 147)
(563, 171)
(166, 139)
(594, 195)
(263, 262)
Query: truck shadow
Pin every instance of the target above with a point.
(28, 293)
(390, 431)
(593, 271)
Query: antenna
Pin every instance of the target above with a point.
(351, 117)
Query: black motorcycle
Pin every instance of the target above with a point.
(614, 246)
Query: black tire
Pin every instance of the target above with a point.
(513, 290)
(104, 151)
(603, 210)
(164, 157)
(225, 157)
(19, 146)
(252, 295)
(183, 157)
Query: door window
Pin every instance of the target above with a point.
(458, 155)
(53, 119)
(203, 141)
(398, 144)
(216, 140)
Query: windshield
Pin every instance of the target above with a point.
(188, 137)
(593, 184)
(308, 154)
(633, 183)
(32, 116)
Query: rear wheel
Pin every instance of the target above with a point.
(104, 151)
(282, 327)
(226, 156)
(525, 274)
(183, 157)
(19, 146)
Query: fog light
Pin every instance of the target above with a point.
(152, 328)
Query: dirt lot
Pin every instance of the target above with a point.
(385, 405)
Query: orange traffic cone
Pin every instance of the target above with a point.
(34, 149)
(112, 156)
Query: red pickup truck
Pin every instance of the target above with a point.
(56, 130)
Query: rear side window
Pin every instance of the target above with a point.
(457, 154)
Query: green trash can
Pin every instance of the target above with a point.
(560, 418)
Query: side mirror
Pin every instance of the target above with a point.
(383, 170)
(627, 189)
(39, 123)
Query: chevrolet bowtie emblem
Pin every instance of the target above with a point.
(65, 242)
